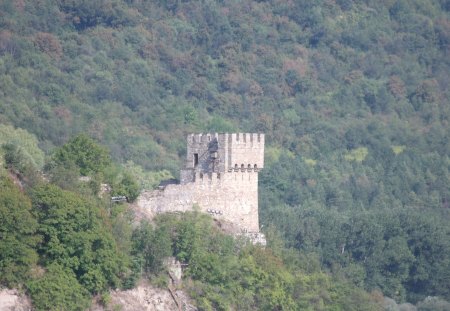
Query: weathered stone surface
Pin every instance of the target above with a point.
(145, 297)
(222, 152)
(13, 300)
(220, 177)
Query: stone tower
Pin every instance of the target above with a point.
(222, 153)
(220, 176)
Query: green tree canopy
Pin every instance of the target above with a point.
(22, 144)
(18, 237)
(58, 289)
(76, 236)
(89, 157)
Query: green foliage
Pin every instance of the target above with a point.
(126, 186)
(82, 156)
(311, 162)
(358, 154)
(223, 273)
(18, 237)
(83, 152)
(152, 245)
(76, 237)
(398, 149)
(86, 14)
(146, 179)
(20, 153)
(58, 289)
(21, 147)
(321, 78)
(16, 160)
(67, 177)
(377, 249)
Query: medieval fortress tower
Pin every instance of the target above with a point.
(220, 177)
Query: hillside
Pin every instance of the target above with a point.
(353, 97)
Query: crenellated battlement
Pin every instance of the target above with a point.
(239, 177)
(253, 140)
(238, 138)
(207, 178)
(202, 137)
(220, 174)
(246, 151)
(224, 152)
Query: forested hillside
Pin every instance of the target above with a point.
(353, 97)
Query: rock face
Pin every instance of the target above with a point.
(220, 177)
(12, 300)
(145, 297)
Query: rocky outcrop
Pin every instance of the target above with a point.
(145, 297)
(13, 300)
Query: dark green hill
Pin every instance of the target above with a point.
(353, 97)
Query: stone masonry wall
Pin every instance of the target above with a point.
(245, 150)
(231, 196)
(220, 175)
(231, 149)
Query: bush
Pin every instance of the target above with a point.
(17, 234)
(58, 289)
(77, 237)
(88, 156)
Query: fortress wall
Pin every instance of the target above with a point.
(187, 176)
(223, 152)
(198, 144)
(220, 175)
(245, 149)
(230, 196)
(236, 148)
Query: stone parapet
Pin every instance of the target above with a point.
(220, 176)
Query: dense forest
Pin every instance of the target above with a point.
(353, 96)
(63, 243)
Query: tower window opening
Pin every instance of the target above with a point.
(195, 159)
